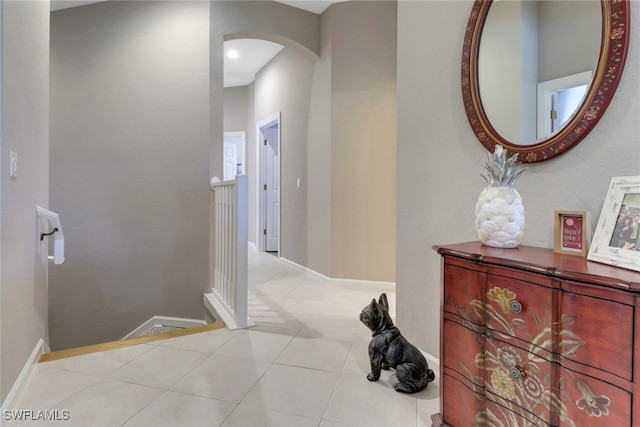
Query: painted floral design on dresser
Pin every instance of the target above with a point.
(518, 380)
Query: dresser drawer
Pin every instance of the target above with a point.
(463, 285)
(518, 380)
(497, 415)
(586, 333)
(465, 408)
(531, 338)
(519, 309)
(463, 351)
(591, 402)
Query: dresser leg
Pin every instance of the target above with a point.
(437, 421)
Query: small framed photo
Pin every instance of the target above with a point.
(616, 240)
(570, 233)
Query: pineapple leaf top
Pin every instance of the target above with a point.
(500, 169)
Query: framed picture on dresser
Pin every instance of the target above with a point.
(570, 233)
(616, 240)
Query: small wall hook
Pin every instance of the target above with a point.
(42, 235)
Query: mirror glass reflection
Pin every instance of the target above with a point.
(535, 63)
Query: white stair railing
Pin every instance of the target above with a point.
(228, 299)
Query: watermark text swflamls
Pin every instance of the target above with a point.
(36, 415)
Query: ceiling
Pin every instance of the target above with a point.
(66, 4)
(315, 6)
(253, 54)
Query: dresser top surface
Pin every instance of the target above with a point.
(545, 261)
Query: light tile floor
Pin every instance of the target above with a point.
(303, 364)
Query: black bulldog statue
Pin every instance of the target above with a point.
(389, 349)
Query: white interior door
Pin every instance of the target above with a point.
(272, 187)
(268, 225)
(230, 161)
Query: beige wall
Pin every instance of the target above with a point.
(363, 140)
(319, 156)
(25, 130)
(439, 159)
(129, 166)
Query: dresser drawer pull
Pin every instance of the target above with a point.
(516, 373)
(516, 307)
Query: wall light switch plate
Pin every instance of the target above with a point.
(13, 164)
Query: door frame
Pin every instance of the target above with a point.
(545, 91)
(261, 181)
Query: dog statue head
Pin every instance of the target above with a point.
(375, 316)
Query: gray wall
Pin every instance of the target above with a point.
(439, 159)
(129, 166)
(272, 21)
(25, 129)
(276, 22)
(236, 105)
(114, 161)
(574, 22)
(338, 137)
(284, 86)
(136, 133)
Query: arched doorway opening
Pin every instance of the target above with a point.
(260, 108)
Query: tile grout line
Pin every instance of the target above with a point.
(335, 386)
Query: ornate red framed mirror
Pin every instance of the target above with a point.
(614, 42)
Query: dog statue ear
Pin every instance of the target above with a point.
(383, 301)
(374, 304)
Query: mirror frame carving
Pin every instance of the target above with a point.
(613, 53)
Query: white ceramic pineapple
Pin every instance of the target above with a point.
(499, 211)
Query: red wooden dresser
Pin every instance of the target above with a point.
(534, 338)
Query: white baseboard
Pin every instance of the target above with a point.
(157, 321)
(434, 363)
(40, 348)
(390, 286)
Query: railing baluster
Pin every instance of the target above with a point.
(230, 276)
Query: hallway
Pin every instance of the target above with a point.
(303, 364)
